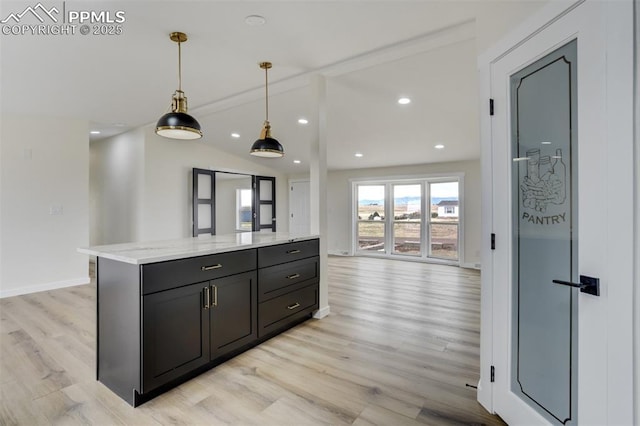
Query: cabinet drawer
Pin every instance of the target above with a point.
(273, 255)
(174, 273)
(279, 279)
(280, 311)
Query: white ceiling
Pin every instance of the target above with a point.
(370, 53)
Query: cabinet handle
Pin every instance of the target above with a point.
(215, 295)
(208, 268)
(207, 298)
(293, 277)
(293, 251)
(295, 305)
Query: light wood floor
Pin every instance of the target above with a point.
(399, 346)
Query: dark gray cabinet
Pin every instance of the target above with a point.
(162, 323)
(175, 334)
(233, 313)
(288, 281)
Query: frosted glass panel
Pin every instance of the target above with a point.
(266, 192)
(204, 186)
(544, 206)
(204, 216)
(265, 214)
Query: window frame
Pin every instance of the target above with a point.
(425, 224)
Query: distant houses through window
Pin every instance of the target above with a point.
(389, 219)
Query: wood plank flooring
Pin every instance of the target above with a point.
(399, 346)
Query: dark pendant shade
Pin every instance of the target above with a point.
(178, 125)
(267, 147)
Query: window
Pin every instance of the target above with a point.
(407, 219)
(443, 228)
(371, 214)
(390, 220)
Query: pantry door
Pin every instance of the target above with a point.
(552, 152)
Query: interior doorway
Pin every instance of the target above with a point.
(299, 207)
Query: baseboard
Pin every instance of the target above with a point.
(471, 266)
(44, 287)
(321, 313)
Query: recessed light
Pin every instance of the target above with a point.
(439, 146)
(94, 132)
(404, 101)
(297, 161)
(303, 121)
(359, 154)
(255, 20)
(235, 135)
(545, 143)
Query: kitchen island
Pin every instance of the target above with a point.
(169, 310)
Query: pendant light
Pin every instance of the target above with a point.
(266, 146)
(177, 124)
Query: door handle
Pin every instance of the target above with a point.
(215, 296)
(209, 268)
(589, 285)
(207, 298)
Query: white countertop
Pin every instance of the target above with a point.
(158, 251)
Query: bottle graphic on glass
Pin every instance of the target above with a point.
(545, 182)
(560, 169)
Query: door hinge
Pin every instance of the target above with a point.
(493, 374)
(490, 106)
(493, 241)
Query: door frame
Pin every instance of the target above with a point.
(605, 325)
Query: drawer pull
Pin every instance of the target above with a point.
(209, 268)
(207, 298)
(293, 276)
(295, 305)
(293, 251)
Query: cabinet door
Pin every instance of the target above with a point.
(233, 313)
(175, 334)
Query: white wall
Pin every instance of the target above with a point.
(141, 185)
(116, 185)
(339, 196)
(44, 165)
(167, 189)
(494, 19)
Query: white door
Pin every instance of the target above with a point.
(556, 165)
(299, 205)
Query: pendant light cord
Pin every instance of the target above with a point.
(266, 92)
(179, 66)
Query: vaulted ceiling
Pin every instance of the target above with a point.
(369, 53)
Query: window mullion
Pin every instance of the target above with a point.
(388, 219)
